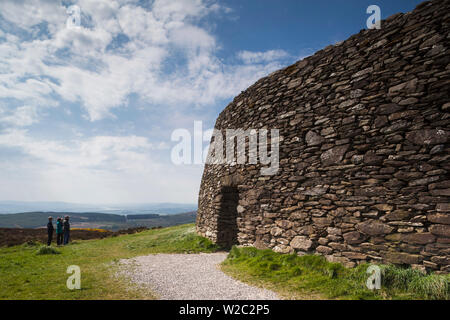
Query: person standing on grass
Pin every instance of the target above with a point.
(59, 231)
(50, 231)
(66, 226)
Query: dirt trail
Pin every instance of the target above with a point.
(189, 277)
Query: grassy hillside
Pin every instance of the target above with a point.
(25, 274)
(34, 272)
(39, 219)
(95, 220)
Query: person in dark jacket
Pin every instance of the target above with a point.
(59, 231)
(50, 231)
(66, 228)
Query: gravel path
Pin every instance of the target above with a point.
(189, 277)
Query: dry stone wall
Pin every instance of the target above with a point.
(364, 151)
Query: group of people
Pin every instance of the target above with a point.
(62, 230)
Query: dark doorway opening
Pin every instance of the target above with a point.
(227, 228)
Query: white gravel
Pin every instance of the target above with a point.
(189, 277)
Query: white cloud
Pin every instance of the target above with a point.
(167, 56)
(101, 79)
(170, 11)
(250, 57)
(20, 117)
(99, 152)
(106, 169)
(27, 13)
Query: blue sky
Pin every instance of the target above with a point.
(86, 113)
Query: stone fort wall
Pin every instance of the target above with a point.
(364, 152)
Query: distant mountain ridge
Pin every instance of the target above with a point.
(95, 220)
(121, 209)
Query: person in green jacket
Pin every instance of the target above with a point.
(59, 232)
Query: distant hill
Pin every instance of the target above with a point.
(95, 220)
(163, 220)
(141, 208)
(141, 216)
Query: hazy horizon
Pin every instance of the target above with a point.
(9, 207)
(100, 203)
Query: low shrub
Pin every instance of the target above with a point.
(47, 250)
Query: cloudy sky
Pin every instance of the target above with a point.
(87, 113)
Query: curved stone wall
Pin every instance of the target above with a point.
(364, 153)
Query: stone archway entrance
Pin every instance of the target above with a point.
(227, 228)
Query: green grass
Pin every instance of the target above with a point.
(424, 286)
(35, 271)
(312, 277)
(30, 271)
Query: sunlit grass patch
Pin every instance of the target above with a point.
(296, 276)
(428, 286)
